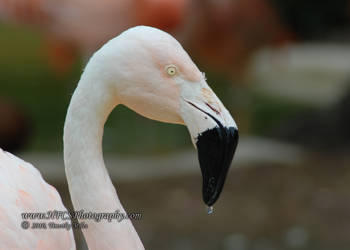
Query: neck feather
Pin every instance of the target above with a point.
(89, 183)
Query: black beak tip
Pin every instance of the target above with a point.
(216, 148)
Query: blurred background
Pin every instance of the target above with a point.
(282, 68)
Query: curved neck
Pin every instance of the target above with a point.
(89, 183)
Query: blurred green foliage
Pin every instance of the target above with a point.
(27, 80)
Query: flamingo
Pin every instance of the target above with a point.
(147, 70)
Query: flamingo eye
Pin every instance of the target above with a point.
(171, 70)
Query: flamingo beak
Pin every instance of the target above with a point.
(216, 148)
(215, 135)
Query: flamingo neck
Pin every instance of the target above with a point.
(90, 186)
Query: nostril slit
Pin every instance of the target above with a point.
(211, 116)
(212, 108)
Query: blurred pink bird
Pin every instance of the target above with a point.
(84, 25)
(232, 30)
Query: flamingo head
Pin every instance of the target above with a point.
(153, 75)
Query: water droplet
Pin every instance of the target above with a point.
(210, 210)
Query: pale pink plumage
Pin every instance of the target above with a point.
(130, 69)
(22, 189)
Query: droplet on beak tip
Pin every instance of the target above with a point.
(210, 210)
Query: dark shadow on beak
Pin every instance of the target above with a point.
(216, 148)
